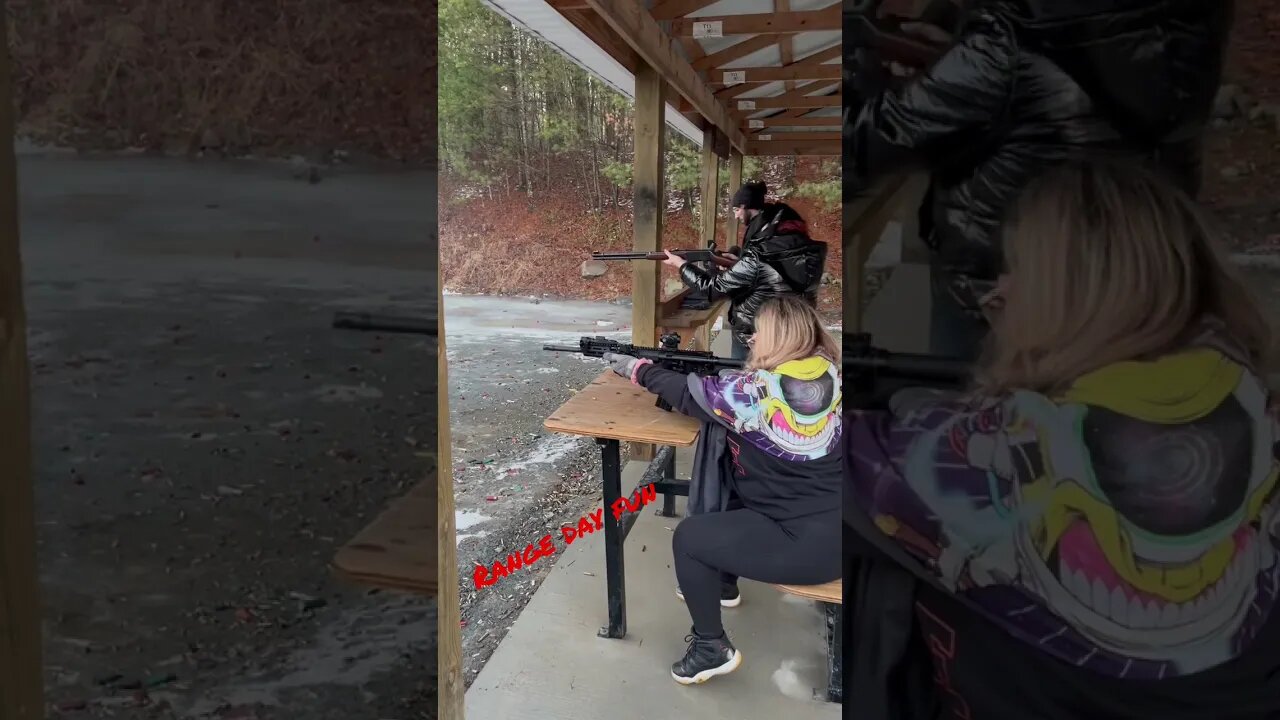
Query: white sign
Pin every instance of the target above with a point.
(746, 104)
(735, 77)
(713, 29)
(762, 138)
(753, 124)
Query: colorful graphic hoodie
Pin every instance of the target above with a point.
(1127, 526)
(784, 430)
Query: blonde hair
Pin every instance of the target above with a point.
(1108, 263)
(788, 328)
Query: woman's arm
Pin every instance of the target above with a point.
(965, 90)
(672, 387)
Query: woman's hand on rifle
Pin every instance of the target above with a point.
(624, 365)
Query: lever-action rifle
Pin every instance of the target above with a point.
(708, 255)
(668, 355)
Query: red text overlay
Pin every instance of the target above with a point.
(485, 576)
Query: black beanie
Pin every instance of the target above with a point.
(750, 195)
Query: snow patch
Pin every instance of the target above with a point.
(467, 519)
(548, 451)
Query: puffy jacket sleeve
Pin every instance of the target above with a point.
(740, 276)
(965, 90)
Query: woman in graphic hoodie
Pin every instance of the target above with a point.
(1106, 499)
(782, 417)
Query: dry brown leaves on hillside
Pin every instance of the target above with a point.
(268, 74)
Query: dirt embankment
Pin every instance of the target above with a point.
(535, 246)
(231, 77)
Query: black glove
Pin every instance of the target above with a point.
(624, 365)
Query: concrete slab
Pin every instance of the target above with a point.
(552, 666)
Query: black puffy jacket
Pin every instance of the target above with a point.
(778, 258)
(1030, 83)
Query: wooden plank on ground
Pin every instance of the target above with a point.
(397, 551)
(21, 671)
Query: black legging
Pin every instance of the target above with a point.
(744, 543)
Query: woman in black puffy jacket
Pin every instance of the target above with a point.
(1027, 84)
(778, 258)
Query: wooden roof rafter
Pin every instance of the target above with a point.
(714, 54)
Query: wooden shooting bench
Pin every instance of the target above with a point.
(612, 411)
(397, 551)
(694, 326)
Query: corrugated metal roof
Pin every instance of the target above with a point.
(540, 19)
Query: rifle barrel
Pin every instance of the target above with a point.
(908, 366)
(384, 323)
(626, 255)
(562, 348)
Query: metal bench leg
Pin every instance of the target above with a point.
(615, 577)
(835, 652)
(668, 475)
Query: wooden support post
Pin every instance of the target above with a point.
(710, 191)
(735, 182)
(449, 613)
(21, 669)
(710, 188)
(649, 198)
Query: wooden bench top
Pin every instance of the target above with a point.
(831, 592)
(397, 551)
(613, 408)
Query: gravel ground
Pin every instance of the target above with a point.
(204, 441)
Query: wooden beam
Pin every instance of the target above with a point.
(770, 148)
(787, 102)
(452, 689)
(562, 5)
(735, 182)
(786, 44)
(795, 136)
(737, 51)
(758, 23)
(648, 196)
(601, 34)
(710, 187)
(726, 94)
(671, 9)
(21, 664)
(631, 21)
(797, 71)
(780, 121)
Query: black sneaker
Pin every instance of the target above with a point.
(729, 595)
(705, 659)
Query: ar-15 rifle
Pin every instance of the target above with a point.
(708, 255)
(668, 355)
